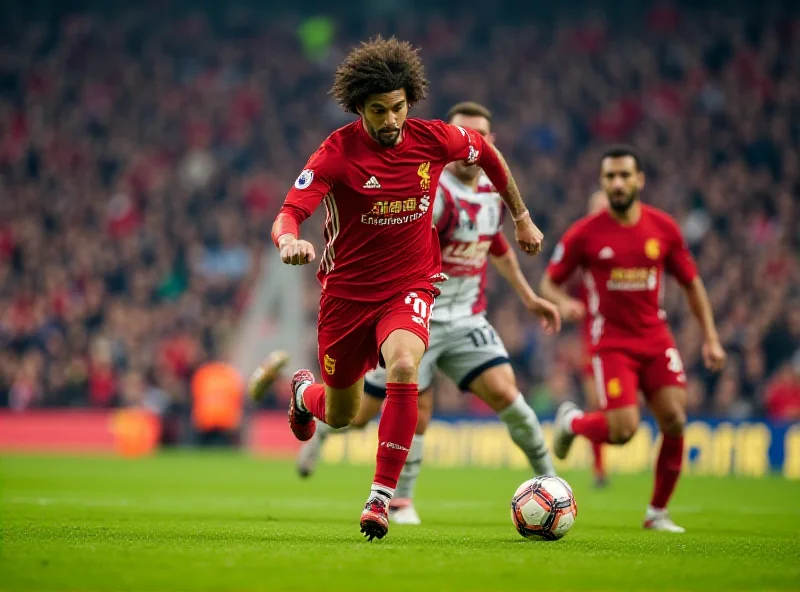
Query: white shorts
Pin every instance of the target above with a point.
(462, 350)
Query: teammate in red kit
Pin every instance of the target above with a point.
(623, 253)
(381, 262)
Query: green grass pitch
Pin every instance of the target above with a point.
(232, 522)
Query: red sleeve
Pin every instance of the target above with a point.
(471, 147)
(679, 261)
(312, 185)
(566, 257)
(499, 246)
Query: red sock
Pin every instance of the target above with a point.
(668, 469)
(593, 426)
(395, 432)
(314, 400)
(597, 452)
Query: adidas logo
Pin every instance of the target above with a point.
(372, 183)
(606, 253)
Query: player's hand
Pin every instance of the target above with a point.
(296, 252)
(529, 238)
(714, 355)
(572, 310)
(548, 314)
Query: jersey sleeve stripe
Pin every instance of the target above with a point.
(331, 232)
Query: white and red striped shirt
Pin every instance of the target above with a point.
(469, 223)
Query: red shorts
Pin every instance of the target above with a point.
(350, 333)
(620, 375)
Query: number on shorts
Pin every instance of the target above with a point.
(675, 363)
(483, 336)
(421, 309)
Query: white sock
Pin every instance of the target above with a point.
(569, 417)
(525, 431)
(382, 492)
(298, 397)
(410, 472)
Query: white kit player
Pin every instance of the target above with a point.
(463, 344)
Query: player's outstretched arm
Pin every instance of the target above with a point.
(507, 265)
(529, 237)
(714, 355)
(569, 308)
(471, 147)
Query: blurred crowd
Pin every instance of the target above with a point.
(143, 158)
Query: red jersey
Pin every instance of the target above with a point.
(379, 231)
(623, 269)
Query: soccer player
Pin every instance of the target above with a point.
(623, 252)
(468, 215)
(381, 263)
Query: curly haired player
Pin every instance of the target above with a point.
(468, 216)
(382, 261)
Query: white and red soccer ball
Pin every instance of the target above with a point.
(544, 508)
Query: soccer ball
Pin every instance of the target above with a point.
(544, 508)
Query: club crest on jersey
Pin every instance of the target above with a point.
(614, 388)
(652, 248)
(330, 364)
(472, 157)
(304, 180)
(424, 172)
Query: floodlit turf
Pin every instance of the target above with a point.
(228, 522)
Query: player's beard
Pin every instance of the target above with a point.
(386, 137)
(622, 206)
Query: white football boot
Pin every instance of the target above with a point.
(562, 434)
(401, 511)
(308, 456)
(660, 520)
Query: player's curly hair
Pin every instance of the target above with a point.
(379, 66)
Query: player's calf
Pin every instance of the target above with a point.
(498, 388)
(668, 407)
(341, 411)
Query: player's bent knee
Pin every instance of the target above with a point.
(623, 434)
(673, 422)
(622, 426)
(403, 369)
